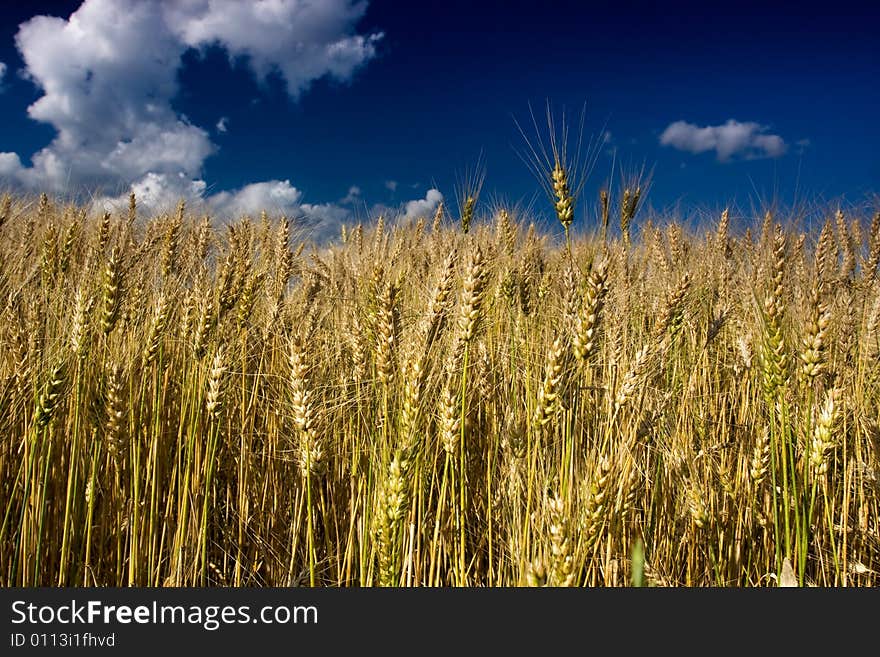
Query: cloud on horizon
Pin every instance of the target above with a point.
(276, 197)
(353, 195)
(109, 72)
(748, 140)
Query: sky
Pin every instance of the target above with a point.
(333, 111)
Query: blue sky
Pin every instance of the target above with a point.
(339, 109)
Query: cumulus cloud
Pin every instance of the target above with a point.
(323, 219)
(9, 164)
(325, 212)
(109, 72)
(734, 138)
(302, 40)
(159, 192)
(353, 196)
(2, 73)
(409, 210)
(156, 192)
(162, 192)
(423, 207)
(274, 196)
(107, 75)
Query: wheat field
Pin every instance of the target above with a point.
(449, 401)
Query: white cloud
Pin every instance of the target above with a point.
(156, 192)
(734, 138)
(109, 72)
(353, 196)
(325, 211)
(108, 75)
(2, 73)
(423, 207)
(302, 40)
(162, 192)
(275, 197)
(322, 219)
(391, 185)
(409, 210)
(10, 164)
